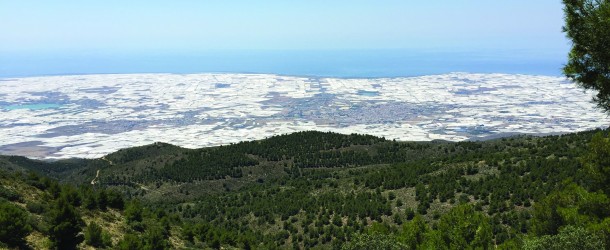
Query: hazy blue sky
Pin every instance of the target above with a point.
(84, 25)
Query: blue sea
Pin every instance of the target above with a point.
(321, 63)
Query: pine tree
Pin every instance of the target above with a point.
(13, 224)
(64, 225)
(130, 242)
(588, 26)
(95, 236)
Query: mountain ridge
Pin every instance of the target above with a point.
(324, 190)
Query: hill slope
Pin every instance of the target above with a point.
(321, 190)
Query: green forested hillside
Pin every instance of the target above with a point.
(324, 190)
(37, 212)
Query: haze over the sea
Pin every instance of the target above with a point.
(326, 63)
(355, 38)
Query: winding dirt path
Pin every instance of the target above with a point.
(96, 176)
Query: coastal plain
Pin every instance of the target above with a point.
(89, 116)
